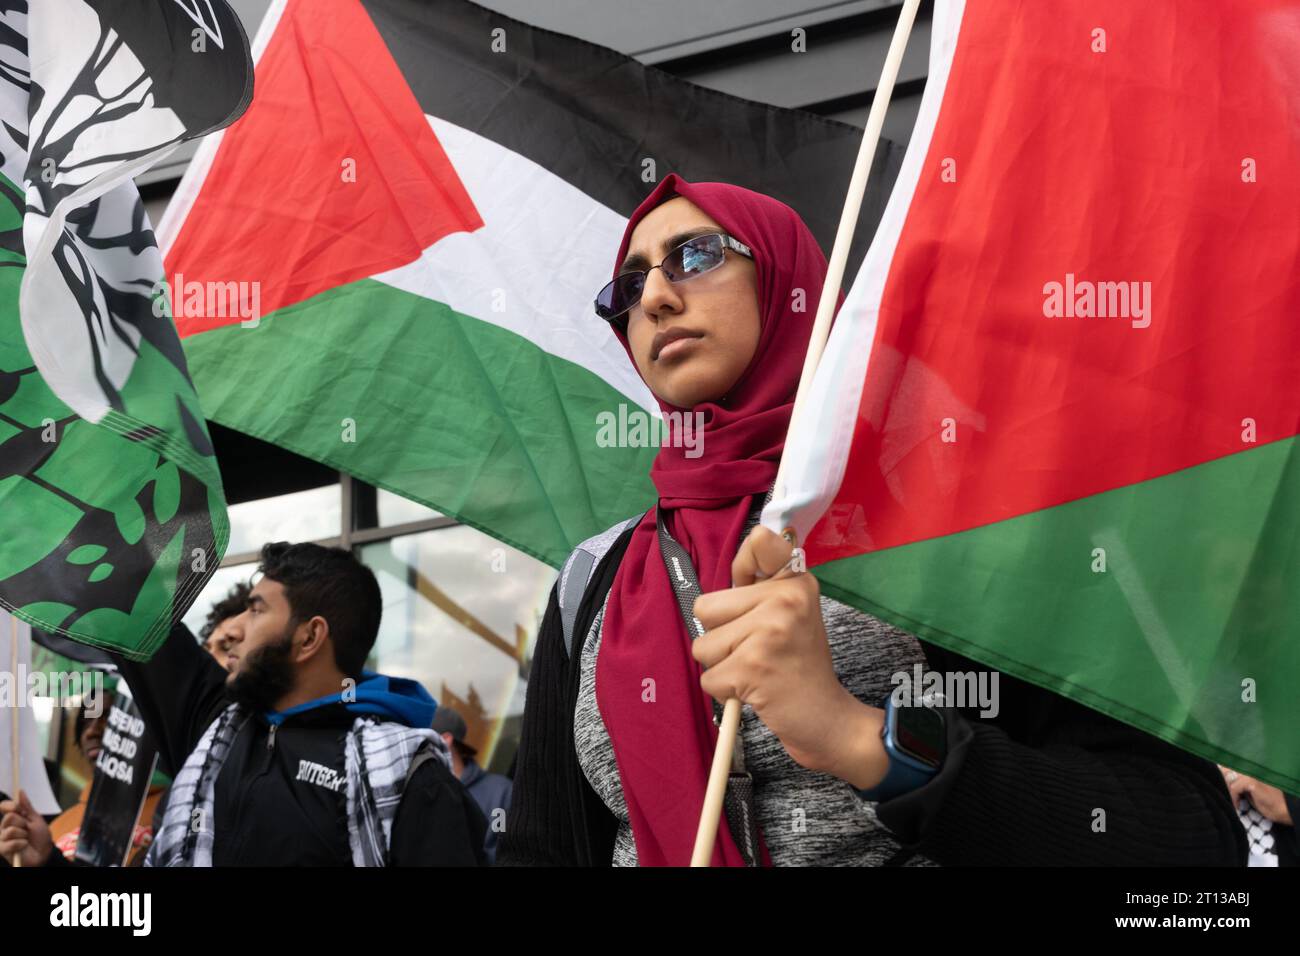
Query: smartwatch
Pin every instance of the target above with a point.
(916, 740)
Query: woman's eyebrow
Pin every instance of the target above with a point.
(636, 261)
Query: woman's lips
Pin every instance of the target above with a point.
(672, 341)
(676, 346)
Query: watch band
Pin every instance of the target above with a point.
(905, 772)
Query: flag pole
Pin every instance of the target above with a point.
(712, 810)
(17, 860)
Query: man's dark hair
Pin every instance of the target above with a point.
(330, 582)
(232, 605)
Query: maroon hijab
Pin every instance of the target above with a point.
(664, 747)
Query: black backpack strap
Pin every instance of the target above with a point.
(579, 567)
(576, 572)
(421, 757)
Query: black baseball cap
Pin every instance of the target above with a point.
(448, 721)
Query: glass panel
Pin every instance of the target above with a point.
(461, 612)
(216, 589)
(394, 509)
(300, 516)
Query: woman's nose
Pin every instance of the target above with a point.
(659, 295)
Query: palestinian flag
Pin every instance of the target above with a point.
(388, 264)
(1056, 426)
(112, 516)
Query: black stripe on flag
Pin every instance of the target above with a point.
(591, 115)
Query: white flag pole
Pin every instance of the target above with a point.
(712, 810)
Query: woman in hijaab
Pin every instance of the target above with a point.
(714, 295)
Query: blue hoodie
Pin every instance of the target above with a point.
(396, 698)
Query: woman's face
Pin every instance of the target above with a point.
(691, 340)
(91, 737)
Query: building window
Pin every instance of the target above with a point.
(461, 612)
(226, 577)
(394, 509)
(309, 515)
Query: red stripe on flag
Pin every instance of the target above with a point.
(1131, 165)
(333, 175)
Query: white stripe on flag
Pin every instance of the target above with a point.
(535, 266)
(819, 452)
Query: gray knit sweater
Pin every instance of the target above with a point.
(806, 818)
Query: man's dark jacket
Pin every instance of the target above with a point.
(276, 801)
(491, 792)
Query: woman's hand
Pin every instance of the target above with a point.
(24, 831)
(765, 644)
(1267, 799)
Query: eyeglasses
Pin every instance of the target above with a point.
(692, 258)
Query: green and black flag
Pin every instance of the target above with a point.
(111, 511)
